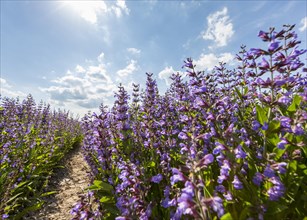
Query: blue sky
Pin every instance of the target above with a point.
(74, 54)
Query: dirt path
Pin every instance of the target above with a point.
(69, 182)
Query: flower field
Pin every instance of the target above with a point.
(227, 144)
(33, 140)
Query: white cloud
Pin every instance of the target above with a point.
(134, 51)
(166, 73)
(209, 61)
(100, 58)
(85, 87)
(7, 90)
(220, 28)
(4, 83)
(79, 69)
(129, 69)
(120, 7)
(303, 24)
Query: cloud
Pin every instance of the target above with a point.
(120, 7)
(4, 83)
(134, 51)
(7, 90)
(303, 24)
(220, 28)
(129, 69)
(85, 87)
(166, 73)
(209, 61)
(79, 69)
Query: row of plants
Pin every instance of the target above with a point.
(33, 139)
(225, 144)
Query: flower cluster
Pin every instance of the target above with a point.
(228, 143)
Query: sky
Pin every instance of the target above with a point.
(74, 54)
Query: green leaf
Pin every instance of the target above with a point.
(293, 165)
(239, 93)
(103, 185)
(48, 193)
(29, 209)
(227, 216)
(261, 114)
(106, 199)
(273, 127)
(295, 103)
(111, 208)
(14, 197)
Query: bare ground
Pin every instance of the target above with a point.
(69, 182)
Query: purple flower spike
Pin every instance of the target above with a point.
(277, 190)
(217, 206)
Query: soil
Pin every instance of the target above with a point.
(69, 183)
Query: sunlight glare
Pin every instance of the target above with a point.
(87, 9)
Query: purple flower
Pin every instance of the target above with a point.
(206, 160)
(219, 147)
(277, 190)
(182, 136)
(157, 178)
(269, 172)
(5, 216)
(298, 130)
(220, 188)
(121, 218)
(257, 179)
(264, 64)
(177, 176)
(239, 152)
(273, 46)
(217, 206)
(285, 122)
(255, 125)
(284, 100)
(224, 172)
(265, 126)
(228, 196)
(83, 215)
(198, 102)
(185, 200)
(281, 144)
(264, 35)
(281, 167)
(237, 184)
